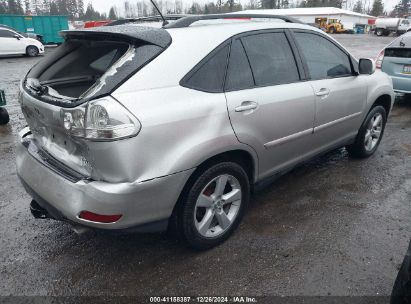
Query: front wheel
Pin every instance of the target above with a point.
(213, 207)
(32, 51)
(370, 134)
(379, 32)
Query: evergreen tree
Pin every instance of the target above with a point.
(12, 7)
(112, 15)
(80, 8)
(71, 8)
(403, 8)
(20, 10)
(91, 14)
(54, 9)
(3, 7)
(377, 8)
(62, 7)
(358, 7)
(27, 7)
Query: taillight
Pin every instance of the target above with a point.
(379, 60)
(100, 120)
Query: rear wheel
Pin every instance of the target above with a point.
(370, 134)
(332, 30)
(32, 51)
(4, 116)
(213, 207)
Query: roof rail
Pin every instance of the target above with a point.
(187, 21)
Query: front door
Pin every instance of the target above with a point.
(340, 93)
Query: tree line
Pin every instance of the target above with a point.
(74, 9)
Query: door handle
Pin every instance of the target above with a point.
(247, 106)
(323, 92)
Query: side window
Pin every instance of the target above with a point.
(209, 77)
(239, 75)
(6, 34)
(271, 59)
(324, 59)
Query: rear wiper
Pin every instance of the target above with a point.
(35, 85)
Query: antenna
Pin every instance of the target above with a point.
(158, 10)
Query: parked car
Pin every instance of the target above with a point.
(25, 35)
(401, 293)
(14, 43)
(395, 60)
(386, 26)
(142, 130)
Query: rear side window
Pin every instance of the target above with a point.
(6, 34)
(209, 77)
(324, 58)
(271, 59)
(239, 75)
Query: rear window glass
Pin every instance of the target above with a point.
(6, 34)
(210, 75)
(271, 58)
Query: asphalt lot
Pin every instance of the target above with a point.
(335, 226)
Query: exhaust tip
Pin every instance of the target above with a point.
(37, 211)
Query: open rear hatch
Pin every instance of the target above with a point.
(84, 71)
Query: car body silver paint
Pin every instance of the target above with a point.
(143, 176)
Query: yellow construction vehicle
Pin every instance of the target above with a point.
(331, 26)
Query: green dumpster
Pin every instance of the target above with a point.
(47, 26)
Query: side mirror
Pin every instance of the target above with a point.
(17, 37)
(366, 66)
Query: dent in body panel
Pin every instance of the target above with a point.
(177, 133)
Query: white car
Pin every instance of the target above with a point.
(13, 43)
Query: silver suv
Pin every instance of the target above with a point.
(147, 129)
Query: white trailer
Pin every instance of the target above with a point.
(385, 26)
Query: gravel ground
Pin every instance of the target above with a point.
(334, 226)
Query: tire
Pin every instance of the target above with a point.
(203, 219)
(379, 32)
(332, 30)
(4, 116)
(32, 51)
(370, 134)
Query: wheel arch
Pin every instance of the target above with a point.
(383, 100)
(240, 156)
(32, 45)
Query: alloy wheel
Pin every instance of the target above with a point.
(217, 206)
(373, 133)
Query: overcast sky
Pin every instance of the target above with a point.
(103, 6)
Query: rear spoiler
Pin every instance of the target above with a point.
(155, 36)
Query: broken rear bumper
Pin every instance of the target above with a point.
(65, 195)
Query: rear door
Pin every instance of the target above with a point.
(270, 106)
(340, 93)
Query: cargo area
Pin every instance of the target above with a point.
(93, 63)
(78, 69)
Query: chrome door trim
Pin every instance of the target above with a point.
(285, 139)
(337, 121)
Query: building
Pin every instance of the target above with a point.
(349, 19)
